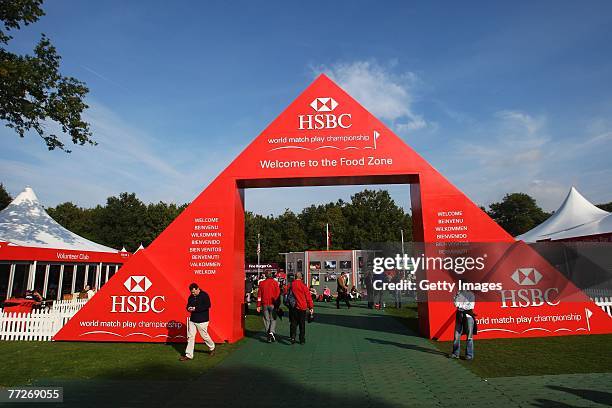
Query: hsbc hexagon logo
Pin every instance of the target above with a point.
(527, 276)
(528, 297)
(324, 104)
(137, 284)
(138, 303)
(324, 119)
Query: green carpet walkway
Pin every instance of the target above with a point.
(352, 358)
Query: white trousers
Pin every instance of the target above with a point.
(202, 328)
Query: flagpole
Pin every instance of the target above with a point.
(402, 233)
(258, 253)
(327, 235)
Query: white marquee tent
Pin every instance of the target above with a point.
(577, 217)
(37, 253)
(26, 223)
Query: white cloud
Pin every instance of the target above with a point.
(386, 95)
(516, 151)
(514, 140)
(127, 158)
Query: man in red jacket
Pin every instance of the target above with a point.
(297, 314)
(268, 299)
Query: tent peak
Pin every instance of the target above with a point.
(575, 211)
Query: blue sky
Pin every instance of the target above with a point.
(498, 97)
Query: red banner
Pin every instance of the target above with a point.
(324, 137)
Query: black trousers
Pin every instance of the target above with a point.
(297, 318)
(342, 296)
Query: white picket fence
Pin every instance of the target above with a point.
(598, 293)
(605, 304)
(39, 325)
(42, 325)
(66, 306)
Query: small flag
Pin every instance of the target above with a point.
(588, 314)
(376, 136)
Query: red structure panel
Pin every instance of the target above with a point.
(324, 137)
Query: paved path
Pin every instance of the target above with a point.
(352, 358)
(364, 358)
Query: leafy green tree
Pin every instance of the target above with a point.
(517, 213)
(81, 221)
(606, 206)
(122, 222)
(270, 238)
(313, 220)
(32, 90)
(292, 237)
(373, 216)
(5, 197)
(158, 217)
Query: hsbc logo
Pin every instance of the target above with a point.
(526, 276)
(322, 120)
(324, 104)
(137, 284)
(137, 303)
(532, 297)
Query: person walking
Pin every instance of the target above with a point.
(248, 291)
(198, 304)
(369, 284)
(268, 300)
(298, 307)
(342, 291)
(465, 323)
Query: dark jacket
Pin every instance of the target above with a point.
(201, 303)
(461, 316)
(342, 280)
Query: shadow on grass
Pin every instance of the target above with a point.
(407, 346)
(228, 387)
(178, 347)
(407, 315)
(600, 397)
(366, 320)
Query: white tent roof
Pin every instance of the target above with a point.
(601, 226)
(26, 223)
(576, 211)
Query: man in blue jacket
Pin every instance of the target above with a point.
(198, 304)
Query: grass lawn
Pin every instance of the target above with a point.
(530, 356)
(117, 361)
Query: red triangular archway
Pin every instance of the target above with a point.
(324, 137)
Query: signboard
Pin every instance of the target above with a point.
(324, 137)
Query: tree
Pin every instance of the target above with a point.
(81, 221)
(123, 222)
(517, 213)
(158, 217)
(270, 239)
(32, 90)
(313, 221)
(5, 197)
(373, 216)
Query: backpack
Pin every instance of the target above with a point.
(289, 298)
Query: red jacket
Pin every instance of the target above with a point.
(268, 293)
(303, 300)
